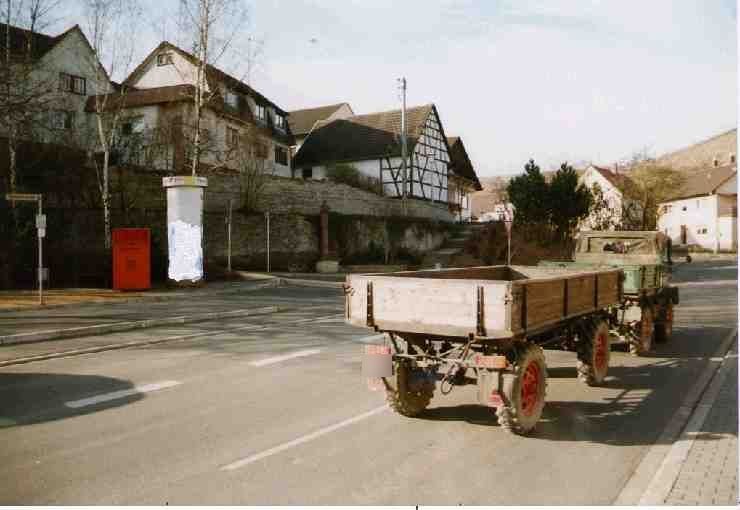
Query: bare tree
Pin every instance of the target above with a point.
(648, 185)
(213, 26)
(111, 26)
(249, 156)
(27, 91)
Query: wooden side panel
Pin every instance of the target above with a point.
(608, 289)
(438, 307)
(544, 301)
(580, 294)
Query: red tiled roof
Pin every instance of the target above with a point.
(301, 121)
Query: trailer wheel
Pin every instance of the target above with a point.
(643, 342)
(594, 354)
(409, 391)
(524, 391)
(664, 329)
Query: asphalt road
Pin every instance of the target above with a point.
(273, 410)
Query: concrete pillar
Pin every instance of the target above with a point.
(185, 228)
(324, 214)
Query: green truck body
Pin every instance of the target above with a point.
(645, 260)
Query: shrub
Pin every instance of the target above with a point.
(347, 174)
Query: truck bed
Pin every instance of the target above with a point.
(637, 277)
(490, 302)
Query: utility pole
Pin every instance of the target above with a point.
(404, 169)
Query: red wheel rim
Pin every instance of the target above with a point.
(600, 349)
(530, 388)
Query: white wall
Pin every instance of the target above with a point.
(611, 194)
(700, 216)
(180, 72)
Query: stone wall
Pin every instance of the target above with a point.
(74, 245)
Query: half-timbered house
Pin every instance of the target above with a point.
(463, 180)
(371, 143)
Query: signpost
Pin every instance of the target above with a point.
(507, 216)
(40, 231)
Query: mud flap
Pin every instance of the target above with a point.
(377, 363)
(494, 387)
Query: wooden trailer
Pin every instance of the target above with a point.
(484, 326)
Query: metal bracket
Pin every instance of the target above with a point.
(370, 317)
(480, 324)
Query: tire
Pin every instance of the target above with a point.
(644, 332)
(594, 354)
(408, 391)
(664, 329)
(524, 392)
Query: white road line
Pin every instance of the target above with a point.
(303, 439)
(278, 359)
(105, 397)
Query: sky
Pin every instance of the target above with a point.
(567, 80)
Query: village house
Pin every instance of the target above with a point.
(463, 181)
(301, 122)
(704, 212)
(157, 101)
(371, 144)
(51, 78)
(611, 183)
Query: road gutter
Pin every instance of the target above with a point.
(652, 475)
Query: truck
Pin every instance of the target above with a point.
(485, 326)
(646, 311)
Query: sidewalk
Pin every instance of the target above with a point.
(21, 300)
(708, 475)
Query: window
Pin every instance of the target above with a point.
(164, 59)
(132, 126)
(307, 173)
(261, 113)
(231, 99)
(280, 122)
(281, 156)
(232, 136)
(715, 162)
(701, 230)
(732, 158)
(72, 83)
(62, 119)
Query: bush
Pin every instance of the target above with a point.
(349, 175)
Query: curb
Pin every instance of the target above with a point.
(665, 478)
(297, 282)
(247, 286)
(636, 486)
(96, 329)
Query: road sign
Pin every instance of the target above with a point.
(23, 197)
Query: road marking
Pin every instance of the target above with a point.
(278, 359)
(303, 439)
(708, 283)
(105, 397)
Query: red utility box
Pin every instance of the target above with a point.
(131, 259)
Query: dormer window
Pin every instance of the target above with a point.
(231, 99)
(261, 113)
(280, 122)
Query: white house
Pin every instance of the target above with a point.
(62, 74)
(158, 102)
(611, 183)
(371, 143)
(301, 122)
(704, 212)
